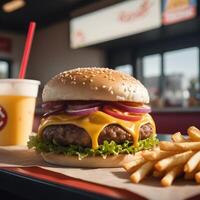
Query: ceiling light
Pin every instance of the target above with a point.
(13, 5)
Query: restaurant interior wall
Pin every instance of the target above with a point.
(15, 55)
(51, 53)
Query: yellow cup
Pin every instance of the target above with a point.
(17, 107)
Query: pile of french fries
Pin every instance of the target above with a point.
(179, 157)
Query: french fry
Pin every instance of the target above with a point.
(171, 175)
(135, 168)
(158, 174)
(186, 146)
(133, 165)
(192, 162)
(144, 170)
(194, 133)
(174, 160)
(169, 146)
(156, 155)
(177, 137)
(169, 159)
(197, 177)
(191, 175)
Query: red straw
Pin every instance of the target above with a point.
(29, 39)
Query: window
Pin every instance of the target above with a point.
(4, 69)
(181, 69)
(151, 74)
(128, 69)
(175, 81)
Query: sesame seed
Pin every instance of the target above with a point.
(91, 80)
(112, 92)
(104, 86)
(83, 83)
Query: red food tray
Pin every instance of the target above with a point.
(72, 186)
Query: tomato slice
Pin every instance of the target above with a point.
(110, 110)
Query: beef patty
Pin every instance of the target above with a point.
(71, 134)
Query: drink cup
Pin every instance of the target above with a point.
(17, 107)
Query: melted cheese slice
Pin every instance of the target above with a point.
(94, 123)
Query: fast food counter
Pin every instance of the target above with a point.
(167, 121)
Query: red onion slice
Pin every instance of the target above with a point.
(53, 112)
(53, 105)
(80, 112)
(83, 106)
(130, 109)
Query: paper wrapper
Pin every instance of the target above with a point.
(116, 177)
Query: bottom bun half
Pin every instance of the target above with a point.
(88, 162)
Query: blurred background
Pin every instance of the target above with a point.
(157, 41)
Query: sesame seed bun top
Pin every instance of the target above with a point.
(94, 84)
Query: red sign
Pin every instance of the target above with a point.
(125, 16)
(177, 10)
(3, 118)
(5, 44)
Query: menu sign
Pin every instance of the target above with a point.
(120, 20)
(178, 10)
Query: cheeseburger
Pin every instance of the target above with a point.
(94, 117)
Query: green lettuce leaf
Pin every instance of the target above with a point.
(103, 150)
